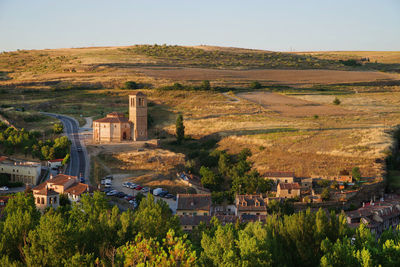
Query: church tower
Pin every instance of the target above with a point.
(138, 116)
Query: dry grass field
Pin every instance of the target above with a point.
(290, 124)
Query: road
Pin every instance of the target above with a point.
(78, 157)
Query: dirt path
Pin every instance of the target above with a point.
(231, 98)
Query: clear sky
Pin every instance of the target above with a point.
(281, 25)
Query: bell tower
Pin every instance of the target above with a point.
(138, 116)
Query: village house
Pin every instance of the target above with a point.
(115, 127)
(288, 190)
(54, 163)
(26, 172)
(378, 216)
(47, 194)
(280, 177)
(193, 204)
(188, 222)
(250, 205)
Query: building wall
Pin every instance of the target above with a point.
(111, 132)
(193, 212)
(28, 174)
(42, 202)
(278, 180)
(250, 212)
(138, 116)
(288, 193)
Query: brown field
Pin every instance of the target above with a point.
(282, 132)
(290, 106)
(286, 77)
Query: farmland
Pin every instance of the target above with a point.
(290, 123)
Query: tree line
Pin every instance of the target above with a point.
(93, 233)
(28, 142)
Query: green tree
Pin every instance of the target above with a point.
(131, 85)
(356, 173)
(180, 129)
(209, 179)
(58, 128)
(336, 101)
(154, 219)
(205, 85)
(255, 85)
(325, 195)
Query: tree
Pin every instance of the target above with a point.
(180, 129)
(131, 85)
(205, 85)
(325, 195)
(356, 173)
(255, 85)
(209, 179)
(336, 101)
(58, 128)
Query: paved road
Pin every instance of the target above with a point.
(77, 162)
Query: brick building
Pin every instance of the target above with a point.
(115, 127)
(288, 190)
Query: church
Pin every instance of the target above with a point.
(115, 127)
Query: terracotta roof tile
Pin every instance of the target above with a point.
(194, 201)
(250, 203)
(77, 189)
(288, 186)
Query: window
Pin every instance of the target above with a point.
(289, 191)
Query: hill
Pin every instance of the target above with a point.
(290, 124)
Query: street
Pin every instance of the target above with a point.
(77, 162)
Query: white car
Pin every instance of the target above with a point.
(4, 188)
(112, 193)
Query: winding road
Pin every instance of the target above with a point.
(78, 157)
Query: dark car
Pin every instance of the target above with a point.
(120, 194)
(163, 194)
(107, 189)
(169, 196)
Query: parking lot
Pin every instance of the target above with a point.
(117, 184)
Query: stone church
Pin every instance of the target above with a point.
(115, 127)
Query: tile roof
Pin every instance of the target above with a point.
(59, 179)
(136, 93)
(77, 189)
(193, 201)
(250, 203)
(46, 192)
(113, 120)
(288, 186)
(279, 174)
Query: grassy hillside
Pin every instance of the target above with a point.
(302, 131)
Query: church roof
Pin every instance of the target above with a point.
(113, 119)
(136, 93)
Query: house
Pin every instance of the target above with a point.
(280, 177)
(378, 216)
(306, 184)
(193, 204)
(115, 127)
(288, 190)
(26, 172)
(188, 222)
(250, 205)
(47, 194)
(54, 163)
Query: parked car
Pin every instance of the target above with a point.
(120, 194)
(4, 188)
(134, 203)
(169, 196)
(106, 190)
(145, 189)
(128, 198)
(79, 149)
(174, 198)
(132, 186)
(112, 193)
(163, 194)
(139, 187)
(157, 191)
(107, 185)
(125, 184)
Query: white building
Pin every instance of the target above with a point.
(26, 172)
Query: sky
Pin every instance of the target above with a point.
(281, 25)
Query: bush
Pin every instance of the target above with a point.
(131, 85)
(336, 101)
(58, 128)
(205, 85)
(255, 85)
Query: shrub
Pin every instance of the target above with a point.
(205, 85)
(255, 85)
(336, 101)
(131, 85)
(58, 128)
